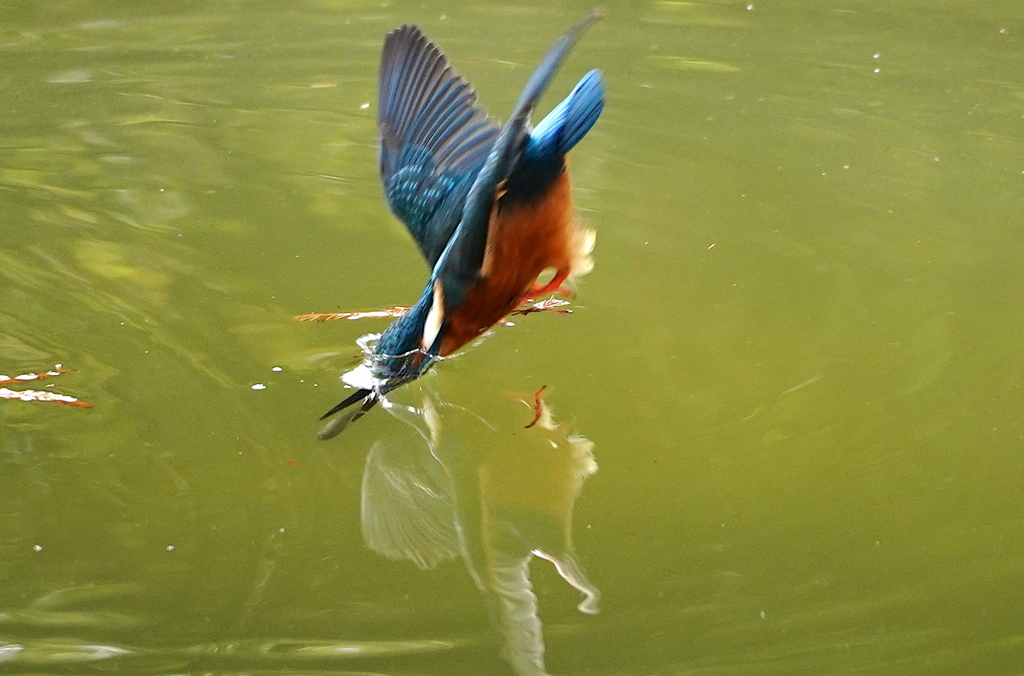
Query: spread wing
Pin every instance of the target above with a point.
(434, 138)
(461, 260)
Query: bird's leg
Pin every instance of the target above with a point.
(554, 286)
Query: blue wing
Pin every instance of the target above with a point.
(434, 138)
(460, 262)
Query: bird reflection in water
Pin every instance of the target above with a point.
(475, 484)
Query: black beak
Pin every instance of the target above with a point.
(336, 426)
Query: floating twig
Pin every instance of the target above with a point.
(397, 311)
(27, 377)
(39, 395)
(547, 305)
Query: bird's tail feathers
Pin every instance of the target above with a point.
(570, 120)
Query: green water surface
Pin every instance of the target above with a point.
(798, 357)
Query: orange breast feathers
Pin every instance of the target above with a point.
(523, 240)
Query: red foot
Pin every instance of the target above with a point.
(554, 286)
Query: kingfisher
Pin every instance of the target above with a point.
(489, 206)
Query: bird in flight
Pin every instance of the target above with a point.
(489, 206)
